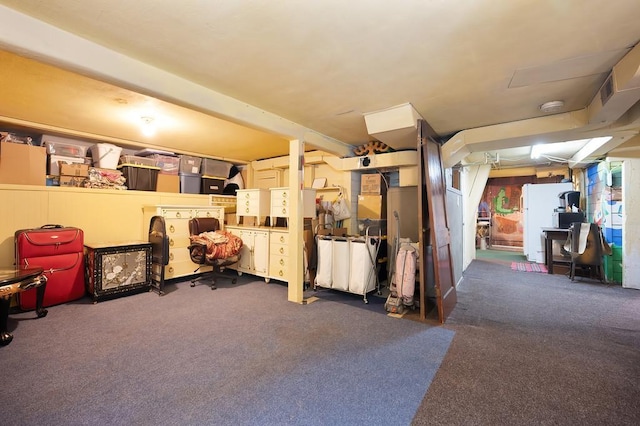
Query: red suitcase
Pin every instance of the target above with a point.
(60, 251)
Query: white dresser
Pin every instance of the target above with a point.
(281, 202)
(252, 203)
(177, 225)
(279, 254)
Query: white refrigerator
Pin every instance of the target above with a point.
(538, 204)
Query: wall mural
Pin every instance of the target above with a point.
(503, 199)
(605, 207)
(506, 215)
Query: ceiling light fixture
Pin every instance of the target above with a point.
(148, 127)
(551, 106)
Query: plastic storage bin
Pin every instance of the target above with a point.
(190, 183)
(168, 164)
(105, 155)
(54, 160)
(66, 149)
(215, 168)
(133, 160)
(190, 165)
(140, 178)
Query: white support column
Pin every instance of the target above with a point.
(473, 181)
(296, 224)
(630, 224)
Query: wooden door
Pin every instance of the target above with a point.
(434, 224)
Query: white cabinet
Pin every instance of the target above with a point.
(281, 202)
(252, 203)
(279, 254)
(254, 255)
(177, 225)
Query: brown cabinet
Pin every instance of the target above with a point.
(114, 269)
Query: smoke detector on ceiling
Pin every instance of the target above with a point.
(551, 106)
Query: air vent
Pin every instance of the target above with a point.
(607, 90)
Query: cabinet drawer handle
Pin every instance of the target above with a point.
(284, 211)
(284, 194)
(246, 210)
(172, 229)
(171, 242)
(246, 195)
(282, 262)
(208, 214)
(281, 239)
(284, 202)
(281, 250)
(170, 256)
(178, 215)
(171, 269)
(280, 273)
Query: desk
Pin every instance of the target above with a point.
(13, 281)
(551, 234)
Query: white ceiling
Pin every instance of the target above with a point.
(322, 64)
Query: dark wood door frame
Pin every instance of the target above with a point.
(432, 218)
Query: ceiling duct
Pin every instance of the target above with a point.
(620, 91)
(395, 126)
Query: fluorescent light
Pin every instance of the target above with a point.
(590, 147)
(557, 149)
(536, 151)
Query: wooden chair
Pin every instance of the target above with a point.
(587, 251)
(159, 252)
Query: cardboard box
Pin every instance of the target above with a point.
(54, 161)
(371, 184)
(22, 164)
(74, 169)
(73, 181)
(372, 207)
(168, 183)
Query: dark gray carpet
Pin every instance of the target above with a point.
(538, 349)
(239, 355)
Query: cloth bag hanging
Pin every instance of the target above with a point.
(340, 208)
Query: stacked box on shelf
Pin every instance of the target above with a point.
(169, 165)
(63, 153)
(105, 155)
(22, 164)
(215, 168)
(214, 173)
(212, 185)
(168, 179)
(66, 149)
(189, 172)
(141, 173)
(74, 174)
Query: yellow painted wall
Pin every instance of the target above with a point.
(103, 215)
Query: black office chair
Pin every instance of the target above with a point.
(159, 252)
(587, 250)
(198, 251)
